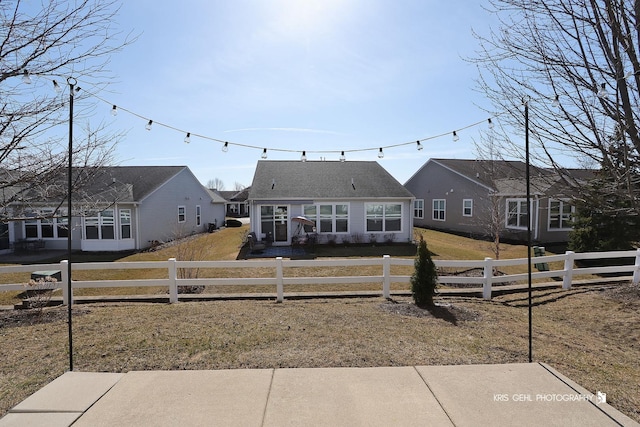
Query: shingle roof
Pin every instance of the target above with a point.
(139, 181)
(275, 179)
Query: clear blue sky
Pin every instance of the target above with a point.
(300, 75)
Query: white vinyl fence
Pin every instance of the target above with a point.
(485, 282)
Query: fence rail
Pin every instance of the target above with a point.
(279, 280)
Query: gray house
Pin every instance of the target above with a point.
(121, 208)
(476, 197)
(354, 201)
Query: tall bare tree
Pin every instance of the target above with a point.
(42, 43)
(576, 63)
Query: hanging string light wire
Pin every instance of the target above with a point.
(341, 152)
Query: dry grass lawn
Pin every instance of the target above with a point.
(589, 334)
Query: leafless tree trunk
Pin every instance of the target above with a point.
(41, 45)
(576, 62)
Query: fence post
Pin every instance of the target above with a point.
(64, 276)
(173, 284)
(488, 278)
(386, 276)
(636, 271)
(568, 270)
(279, 280)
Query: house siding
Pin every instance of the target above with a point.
(158, 212)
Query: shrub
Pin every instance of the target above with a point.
(425, 278)
(39, 293)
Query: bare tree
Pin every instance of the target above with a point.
(41, 45)
(238, 186)
(576, 64)
(215, 184)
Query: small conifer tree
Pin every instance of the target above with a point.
(425, 278)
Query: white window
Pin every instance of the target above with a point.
(329, 218)
(517, 213)
(560, 215)
(125, 223)
(418, 208)
(41, 224)
(100, 225)
(467, 207)
(384, 217)
(198, 216)
(182, 213)
(439, 209)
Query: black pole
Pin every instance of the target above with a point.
(72, 83)
(528, 178)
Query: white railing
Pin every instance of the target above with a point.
(279, 280)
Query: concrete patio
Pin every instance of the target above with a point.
(531, 394)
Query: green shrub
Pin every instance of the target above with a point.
(425, 278)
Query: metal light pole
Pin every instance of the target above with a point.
(72, 82)
(528, 179)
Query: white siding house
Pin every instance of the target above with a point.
(346, 201)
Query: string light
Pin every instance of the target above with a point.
(602, 93)
(225, 144)
(490, 123)
(304, 156)
(456, 138)
(556, 101)
(187, 139)
(25, 77)
(114, 111)
(57, 87)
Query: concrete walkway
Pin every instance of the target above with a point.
(470, 395)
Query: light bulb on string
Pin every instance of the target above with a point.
(26, 78)
(342, 157)
(187, 139)
(264, 153)
(602, 92)
(114, 111)
(225, 147)
(148, 125)
(57, 87)
(304, 156)
(419, 146)
(380, 153)
(556, 101)
(456, 138)
(490, 122)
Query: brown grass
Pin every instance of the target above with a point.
(589, 334)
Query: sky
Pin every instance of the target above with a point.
(298, 75)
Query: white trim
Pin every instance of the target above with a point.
(184, 214)
(443, 210)
(464, 207)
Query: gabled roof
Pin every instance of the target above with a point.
(293, 180)
(141, 180)
(507, 177)
(234, 196)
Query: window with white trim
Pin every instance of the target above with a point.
(517, 213)
(560, 214)
(100, 226)
(383, 217)
(182, 213)
(467, 207)
(198, 216)
(418, 208)
(125, 223)
(439, 209)
(329, 218)
(41, 224)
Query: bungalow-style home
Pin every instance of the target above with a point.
(120, 208)
(480, 197)
(345, 201)
(236, 204)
